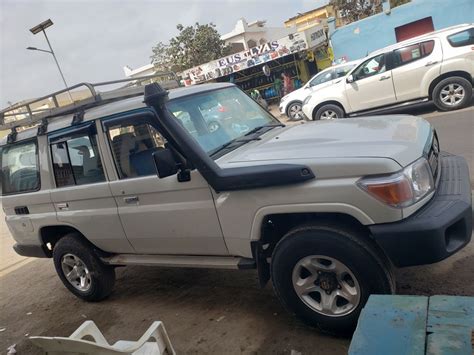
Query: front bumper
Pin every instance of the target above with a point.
(440, 228)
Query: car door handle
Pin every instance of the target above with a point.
(431, 63)
(131, 200)
(64, 206)
(384, 78)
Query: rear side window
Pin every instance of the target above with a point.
(412, 53)
(20, 171)
(76, 161)
(461, 39)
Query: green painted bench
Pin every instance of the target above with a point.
(415, 325)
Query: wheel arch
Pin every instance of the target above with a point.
(459, 73)
(328, 102)
(50, 235)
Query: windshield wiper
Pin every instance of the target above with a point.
(269, 125)
(234, 143)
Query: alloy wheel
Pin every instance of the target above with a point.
(328, 115)
(326, 285)
(452, 94)
(76, 272)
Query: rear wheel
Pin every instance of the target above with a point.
(324, 275)
(81, 270)
(329, 112)
(452, 93)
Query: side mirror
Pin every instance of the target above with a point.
(165, 163)
(350, 79)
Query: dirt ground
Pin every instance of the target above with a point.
(204, 311)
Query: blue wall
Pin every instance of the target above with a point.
(358, 38)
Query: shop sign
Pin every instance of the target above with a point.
(315, 36)
(246, 59)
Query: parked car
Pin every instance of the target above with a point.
(325, 210)
(438, 66)
(290, 105)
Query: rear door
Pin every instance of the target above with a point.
(372, 86)
(26, 199)
(415, 64)
(82, 196)
(159, 215)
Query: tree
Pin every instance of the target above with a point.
(354, 10)
(193, 46)
(395, 3)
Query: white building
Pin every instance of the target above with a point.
(148, 69)
(247, 35)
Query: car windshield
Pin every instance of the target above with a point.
(220, 117)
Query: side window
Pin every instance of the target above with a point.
(370, 67)
(342, 71)
(322, 78)
(20, 172)
(133, 146)
(412, 53)
(76, 161)
(461, 39)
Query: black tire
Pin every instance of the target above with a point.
(299, 114)
(337, 110)
(371, 271)
(439, 92)
(102, 277)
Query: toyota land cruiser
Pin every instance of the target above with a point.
(324, 209)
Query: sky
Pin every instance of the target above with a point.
(94, 40)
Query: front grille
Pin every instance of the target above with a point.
(433, 156)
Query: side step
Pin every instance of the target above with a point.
(207, 262)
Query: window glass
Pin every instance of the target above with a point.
(20, 171)
(464, 38)
(77, 162)
(371, 67)
(322, 78)
(217, 117)
(133, 147)
(340, 72)
(411, 53)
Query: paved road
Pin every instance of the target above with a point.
(206, 311)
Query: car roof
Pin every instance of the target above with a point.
(445, 31)
(116, 107)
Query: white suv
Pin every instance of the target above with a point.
(438, 66)
(291, 104)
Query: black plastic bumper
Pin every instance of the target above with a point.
(36, 251)
(441, 228)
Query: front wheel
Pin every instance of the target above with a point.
(329, 112)
(81, 270)
(324, 275)
(294, 111)
(452, 93)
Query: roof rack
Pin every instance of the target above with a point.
(58, 103)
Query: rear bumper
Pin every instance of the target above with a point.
(36, 251)
(440, 228)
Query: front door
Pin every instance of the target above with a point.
(159, 215)
(372, 85)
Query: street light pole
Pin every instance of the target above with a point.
(41, 28)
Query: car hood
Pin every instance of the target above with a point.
(401, 138)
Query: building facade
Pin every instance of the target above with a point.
(357, 39)
(247, 35)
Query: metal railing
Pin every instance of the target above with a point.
(34, 111)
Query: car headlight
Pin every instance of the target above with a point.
(284, 98)
(306, 100)
(401, 189)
